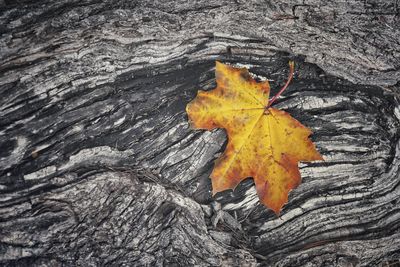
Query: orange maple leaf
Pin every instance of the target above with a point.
(263, 142)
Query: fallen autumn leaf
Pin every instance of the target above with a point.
(263, 142)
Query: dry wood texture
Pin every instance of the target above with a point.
(99, 166)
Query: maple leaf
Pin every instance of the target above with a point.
(263, 142)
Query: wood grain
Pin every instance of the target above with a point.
(99, 166)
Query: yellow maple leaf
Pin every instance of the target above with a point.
(263, 142)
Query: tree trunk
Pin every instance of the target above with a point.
(99, 165)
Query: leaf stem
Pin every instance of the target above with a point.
(272, 100)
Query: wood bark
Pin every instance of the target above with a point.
(99, 165)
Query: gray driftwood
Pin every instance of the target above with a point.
(98, 164)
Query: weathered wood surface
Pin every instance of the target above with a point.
(98, 164)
